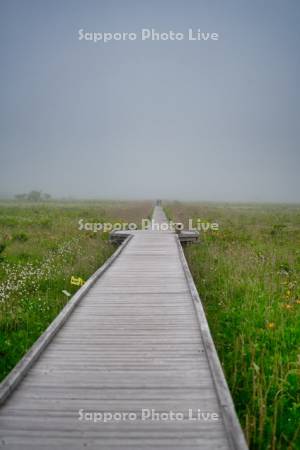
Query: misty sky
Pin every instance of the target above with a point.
(215, 120)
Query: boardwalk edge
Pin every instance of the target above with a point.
(12, 380)
(232, 425)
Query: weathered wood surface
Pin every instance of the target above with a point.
(137, 340)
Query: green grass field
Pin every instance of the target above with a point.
(248, 277)
(247, 274)
(41, 248)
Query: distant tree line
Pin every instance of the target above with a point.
(33, 196)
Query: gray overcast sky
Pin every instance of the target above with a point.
(215, 120)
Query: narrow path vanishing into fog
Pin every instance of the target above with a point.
(135, 340)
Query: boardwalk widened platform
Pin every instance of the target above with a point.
(134, 338)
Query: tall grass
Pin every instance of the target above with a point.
(248, 277)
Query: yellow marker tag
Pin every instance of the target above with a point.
(77, 281)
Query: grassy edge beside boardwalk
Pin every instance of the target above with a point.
(41, 249)
(248, 277)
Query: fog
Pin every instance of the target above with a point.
(180, 119)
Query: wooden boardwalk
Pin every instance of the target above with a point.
(136, 340)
